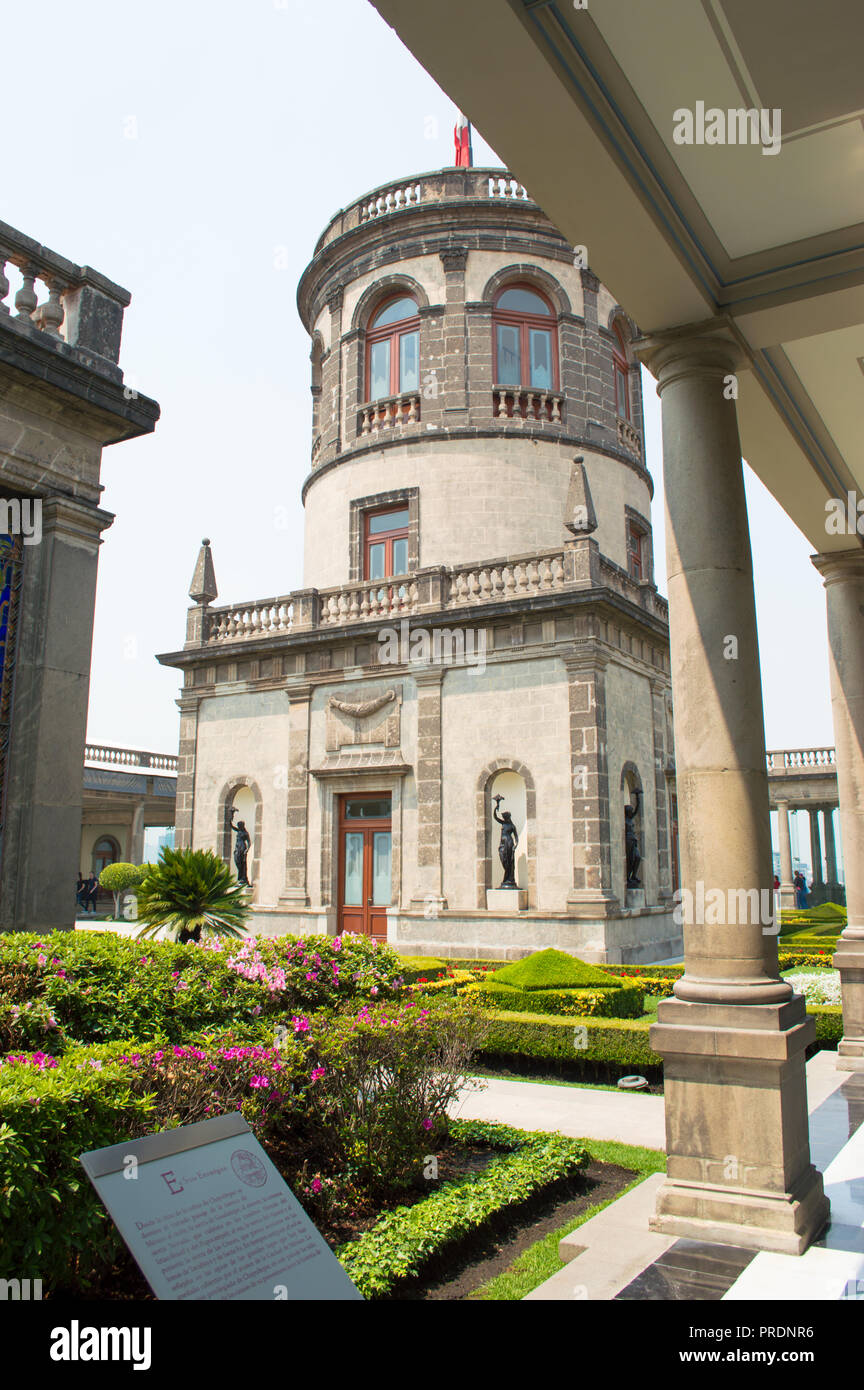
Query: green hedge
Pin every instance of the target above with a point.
(413, 968)
(829, 1025)
(402, 1243)
(626, 1002)
(582, 1043)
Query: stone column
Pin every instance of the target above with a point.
(429, 892)
(787, 886)
(733, 1039)
(136, 834)
(186, 755)
(47, 717)
(816, 845)
(296, 892)
(830, 849)
(592, 894)
(843, 574)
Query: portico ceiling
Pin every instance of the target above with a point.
(581, 103)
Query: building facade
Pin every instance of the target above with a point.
(478, 618)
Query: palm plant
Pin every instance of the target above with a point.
(191, 891)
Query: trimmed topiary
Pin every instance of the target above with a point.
(554, 970)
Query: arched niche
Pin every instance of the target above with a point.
(244, 797)
(514, 782)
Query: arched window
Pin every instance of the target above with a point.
(525, 340)
(621, 369)
(393, 349)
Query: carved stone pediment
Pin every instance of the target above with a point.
(375, 720)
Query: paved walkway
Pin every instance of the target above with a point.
(577, 1111)
(615, 1254)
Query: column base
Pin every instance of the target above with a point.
(737, 1137)
(786, 1224)
(850, 1054)
(592, 904)
(848, 960)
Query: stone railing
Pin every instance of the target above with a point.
(258, 619)
(389, 413)
(370, 599)
(129, 757)
(391, 200)
(797, 760)
(440, 185)
(529, 402)
(490, 583)
(629, 437)
(643, 594)
(434, 588)
(62, 302)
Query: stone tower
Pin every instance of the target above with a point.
(478, 617)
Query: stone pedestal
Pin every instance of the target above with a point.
(844, 588)
(506, 899)
(634, 900)
(736, 1173)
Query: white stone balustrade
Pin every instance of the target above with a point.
(393, 412)
(370, 599)
(259, 619)
(129, 757)
(383, 600)
(488, 583)
(509, 402)
(392, 200)
(794, 759)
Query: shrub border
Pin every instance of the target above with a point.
(401, 1244)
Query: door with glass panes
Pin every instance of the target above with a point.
(365, 859)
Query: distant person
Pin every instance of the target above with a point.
(800, 890)
(79, 890)
(92, 893)
(776, 884)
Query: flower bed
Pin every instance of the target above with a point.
(401, 1243)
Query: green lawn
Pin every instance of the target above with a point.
(541, 1261)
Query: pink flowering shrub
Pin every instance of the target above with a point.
(387, 1074)
(102, 988)
(29, 1026)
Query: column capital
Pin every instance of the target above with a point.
(701, 349)
(299, 693)
(837, 565)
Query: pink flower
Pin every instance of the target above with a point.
(41, 959)
(374, 989)
(61, 974)
(259, 1082)
(301, 1025)
(157, 1056)
(337, 943)
(427, 1124)
(317, 1073)
(317, 1184)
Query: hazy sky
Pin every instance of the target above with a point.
(193, 152)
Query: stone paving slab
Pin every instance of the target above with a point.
(576, 1111)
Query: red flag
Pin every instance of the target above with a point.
(462, 141)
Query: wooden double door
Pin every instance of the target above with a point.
(365, 863)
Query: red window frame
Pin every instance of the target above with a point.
(525, 322)
(635, 553)
(621, 371)
(395, 533)
(393, 331)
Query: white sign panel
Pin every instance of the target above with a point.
(207, 1215)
